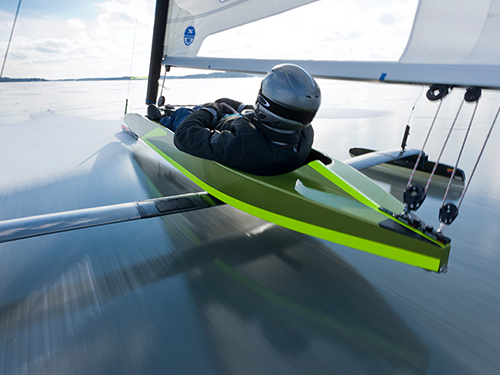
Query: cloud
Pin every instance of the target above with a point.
(75, 48)
(76, 24)
(51, 46)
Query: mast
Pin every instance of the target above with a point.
(157, 46)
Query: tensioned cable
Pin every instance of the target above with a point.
(444, 146)
(10, 39)
(164, 78)
(478, 158)
(407, 128)
(415, 105)
(132, 58)
(460, 155)
(425, 142)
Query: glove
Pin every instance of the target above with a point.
(218, 110)
(234, 104)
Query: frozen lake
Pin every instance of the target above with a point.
(218, 291)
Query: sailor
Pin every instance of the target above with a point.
(273, 137)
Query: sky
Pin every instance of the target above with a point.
(57, 39)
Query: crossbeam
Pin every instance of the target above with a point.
(34, 226)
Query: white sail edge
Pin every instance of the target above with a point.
(191, 21)
(485, 76)
(455, 32)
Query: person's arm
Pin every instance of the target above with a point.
(198, 136)
(234, 104)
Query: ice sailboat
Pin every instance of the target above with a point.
(325, 198)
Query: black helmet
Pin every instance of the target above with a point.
(288, 98)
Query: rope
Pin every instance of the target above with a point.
(444, 146)
(229, 108)
(163, 83)
(478, 158)
(460, 155)
(425, 142)
(415, 105)
(10, 39)
(407, 128)
(132, 58)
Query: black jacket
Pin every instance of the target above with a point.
(244, 143)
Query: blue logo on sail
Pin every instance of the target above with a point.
(189, 35)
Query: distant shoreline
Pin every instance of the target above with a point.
(127, 78)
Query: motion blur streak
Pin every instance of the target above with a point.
(217, 291)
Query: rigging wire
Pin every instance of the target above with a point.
(448, 211)
(425, 142)
(478, 158)
(10, 39)
(415, 105)
(132, 58)
(414, 195)
(163, 83)
(442, 149)
(407, 127)
(460, 155)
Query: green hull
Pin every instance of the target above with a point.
(335, 203)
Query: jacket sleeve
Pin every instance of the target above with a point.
(199, 137)
(234, 104)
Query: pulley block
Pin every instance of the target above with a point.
(437, 92)
(448, 213)
(413, 197)
(472, 94)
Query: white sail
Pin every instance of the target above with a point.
(189, 22)
(452, 42)
(455, 32)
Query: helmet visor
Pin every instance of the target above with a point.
(304, 117)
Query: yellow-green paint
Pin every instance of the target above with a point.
(356, 194)
(380, 249)
(340, 182)
(355, 224)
